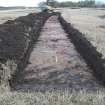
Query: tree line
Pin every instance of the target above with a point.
(85, 3)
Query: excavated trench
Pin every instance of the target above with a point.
(55, 64)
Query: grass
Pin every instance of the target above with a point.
(52, 98)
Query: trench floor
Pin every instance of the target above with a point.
(55, 64)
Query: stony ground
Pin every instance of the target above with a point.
(91, 22)
(55, 64)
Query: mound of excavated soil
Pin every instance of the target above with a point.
(16, 35)
(16, 40)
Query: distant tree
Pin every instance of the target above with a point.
(67, 4)
(53, 3)
(86, 3)
(103, 5)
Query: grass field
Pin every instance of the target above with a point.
(53, 98)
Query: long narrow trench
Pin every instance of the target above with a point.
(55, 64)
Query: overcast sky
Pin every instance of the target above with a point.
(28, 2)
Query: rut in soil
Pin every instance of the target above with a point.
(55, 64)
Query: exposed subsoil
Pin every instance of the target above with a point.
(55, 64)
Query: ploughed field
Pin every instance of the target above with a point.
(55, 64)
